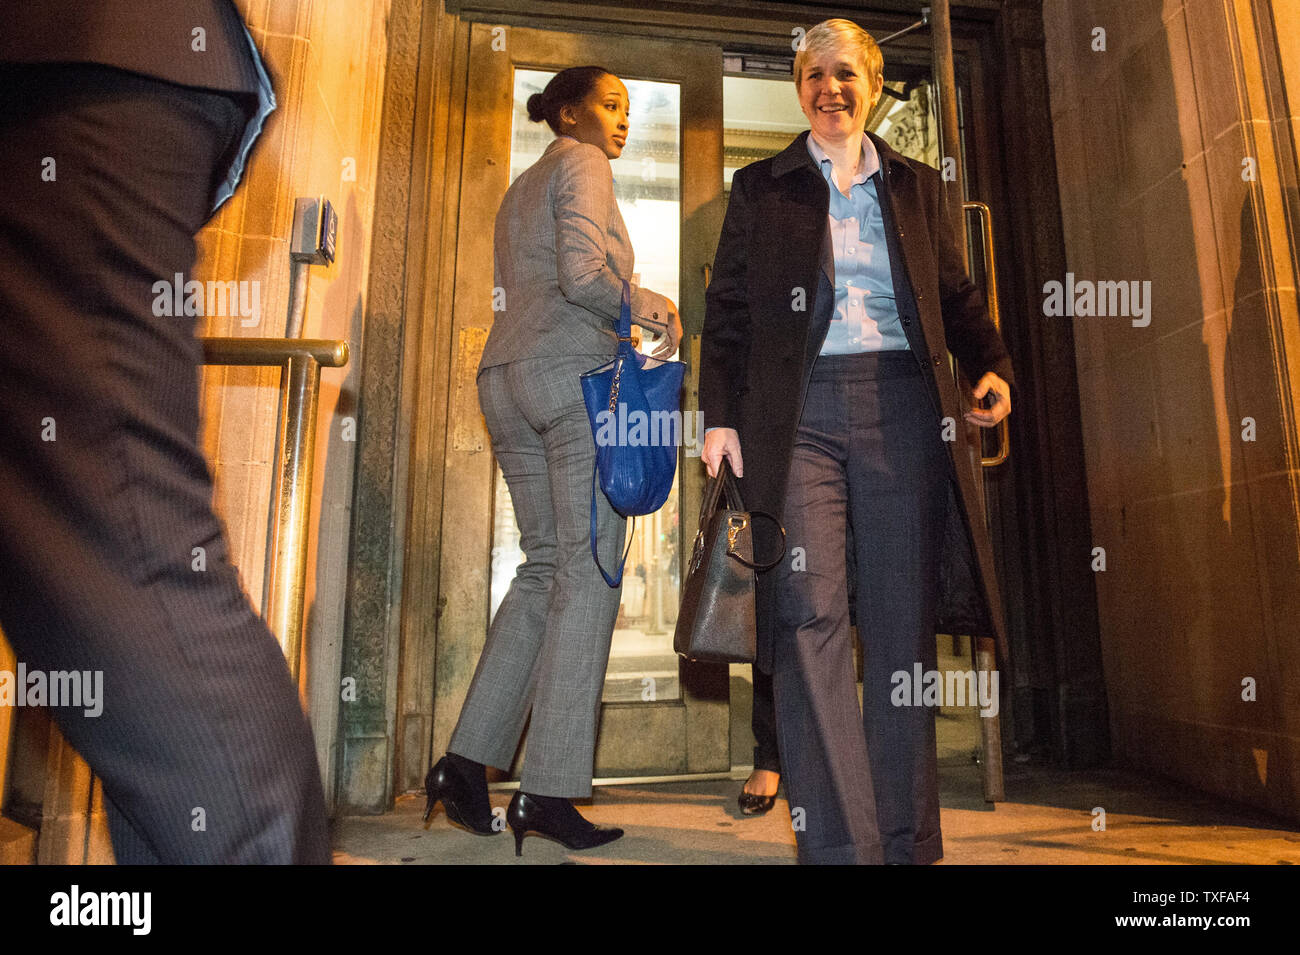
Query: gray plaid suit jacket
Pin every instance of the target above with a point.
(561, 254)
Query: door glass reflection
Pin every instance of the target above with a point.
(647, 185)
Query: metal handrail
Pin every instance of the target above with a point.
(269, 352)
(939, 17)
(982, 649)
(301, 360)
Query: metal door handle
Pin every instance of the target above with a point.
(991, 277)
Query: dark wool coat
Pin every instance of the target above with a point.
(768, 307)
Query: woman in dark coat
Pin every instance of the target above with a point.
(561, 253)
(837, 292)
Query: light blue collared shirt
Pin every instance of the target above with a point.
(866, 315)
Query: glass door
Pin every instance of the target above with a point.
(659, 716)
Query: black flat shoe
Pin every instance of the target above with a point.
(555, 818)
(752, 804)
(464, 799)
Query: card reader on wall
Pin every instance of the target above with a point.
(315, 232)
(315, 229)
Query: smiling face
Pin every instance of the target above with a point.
(601, 118)
(836, 94)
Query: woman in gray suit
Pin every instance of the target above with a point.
(561, 255)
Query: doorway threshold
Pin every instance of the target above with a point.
(737, 773)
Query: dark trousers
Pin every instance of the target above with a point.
(112, 558)
(767, 749)
(862, 783)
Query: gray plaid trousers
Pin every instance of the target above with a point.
(548, 645)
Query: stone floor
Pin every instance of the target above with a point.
(1047, 818)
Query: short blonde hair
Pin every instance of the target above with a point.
(839, 36)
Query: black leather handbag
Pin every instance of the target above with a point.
(716, 621)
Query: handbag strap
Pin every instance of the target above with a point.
(723, 485)
(625, 352)
(755, 565)
(624, 326)
(612, 581)
(734, 500)
(711, 494)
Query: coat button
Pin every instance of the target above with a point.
(919, 296)
(900, 233)
(907, 321)
(936, 359)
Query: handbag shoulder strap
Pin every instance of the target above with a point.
(727, 481)
(612, 581)
(624, 326)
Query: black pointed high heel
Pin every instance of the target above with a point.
(556, 819)
(463, 805)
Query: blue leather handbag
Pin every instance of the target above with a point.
(634, 405)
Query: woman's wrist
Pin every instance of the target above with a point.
(650, 309)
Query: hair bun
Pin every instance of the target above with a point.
(535, 112)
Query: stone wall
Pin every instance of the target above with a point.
(1176, 161)
(327, 61)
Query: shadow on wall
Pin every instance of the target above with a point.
(1186, 432)
(1261, 518)
(339, 421)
